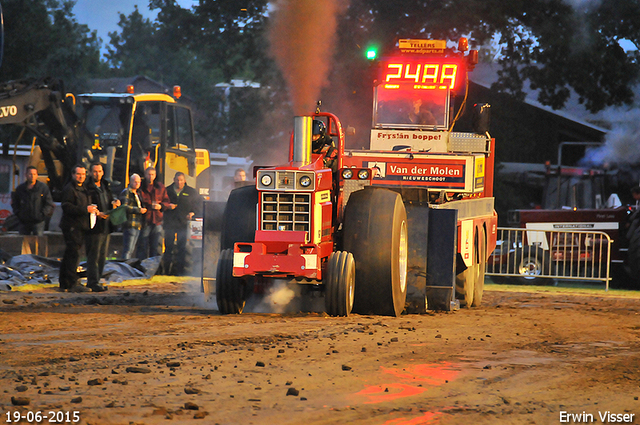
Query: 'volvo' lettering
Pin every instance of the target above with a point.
(8, 111)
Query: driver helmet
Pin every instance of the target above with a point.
(319, 130)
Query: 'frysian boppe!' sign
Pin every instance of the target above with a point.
(426, 141)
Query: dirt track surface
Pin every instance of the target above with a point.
(154, 354)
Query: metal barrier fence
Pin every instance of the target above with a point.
(529, 254)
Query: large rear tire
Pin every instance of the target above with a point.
(466, 286)
(470, 282)
(478, 289)
(340, 284)
(231, 292)
(375, 232)
(239, 218)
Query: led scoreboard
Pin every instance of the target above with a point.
(426, 74)
(414, 92)
(415, 86)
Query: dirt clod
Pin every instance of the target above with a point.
(137, 369)
(20, 401)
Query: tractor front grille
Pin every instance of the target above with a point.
(286, 211)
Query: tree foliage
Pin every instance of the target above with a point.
(575, 47)
(551, 45)
(230, 35)
(554, 46)
(43, 38)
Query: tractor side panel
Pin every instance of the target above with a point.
(442, 249)
(418, 225)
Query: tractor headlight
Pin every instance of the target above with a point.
(305, 181)
(266, 180)
(363, 174)
(347, 173)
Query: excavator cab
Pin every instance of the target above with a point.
(132, 132)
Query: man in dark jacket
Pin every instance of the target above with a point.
(32, 204)
(75, 222)
(155, 200)
(97, 238)
(185, 204)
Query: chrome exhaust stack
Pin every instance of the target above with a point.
(302, 140)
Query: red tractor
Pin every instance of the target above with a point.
(359, 224)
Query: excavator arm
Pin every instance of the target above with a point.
(40, 106)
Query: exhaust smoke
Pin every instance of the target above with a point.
(302, 35)
(279, 298)
(619, 152)
(583, 38)
(621, 142)
(580, 5)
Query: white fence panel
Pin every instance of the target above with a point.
(552, 254)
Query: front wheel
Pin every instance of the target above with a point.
(231, 292)
(340, 284)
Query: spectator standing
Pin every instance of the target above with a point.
(633, 222)
(185, 203)
(32, 204)
(239, 177)
(75, 222)
(156, 201)
(239, 180)
(130, 198)
(98, 237)
(635, 193)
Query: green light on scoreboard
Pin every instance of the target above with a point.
(371, 53)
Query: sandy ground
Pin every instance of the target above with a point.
(155, 353)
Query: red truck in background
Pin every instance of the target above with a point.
(576, 204)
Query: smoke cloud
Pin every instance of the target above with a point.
(278, 298)
(283, 296)
(583, 32)
(621, 142)
(302, 36)
(583, 4)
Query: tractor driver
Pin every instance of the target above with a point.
(323, 144)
